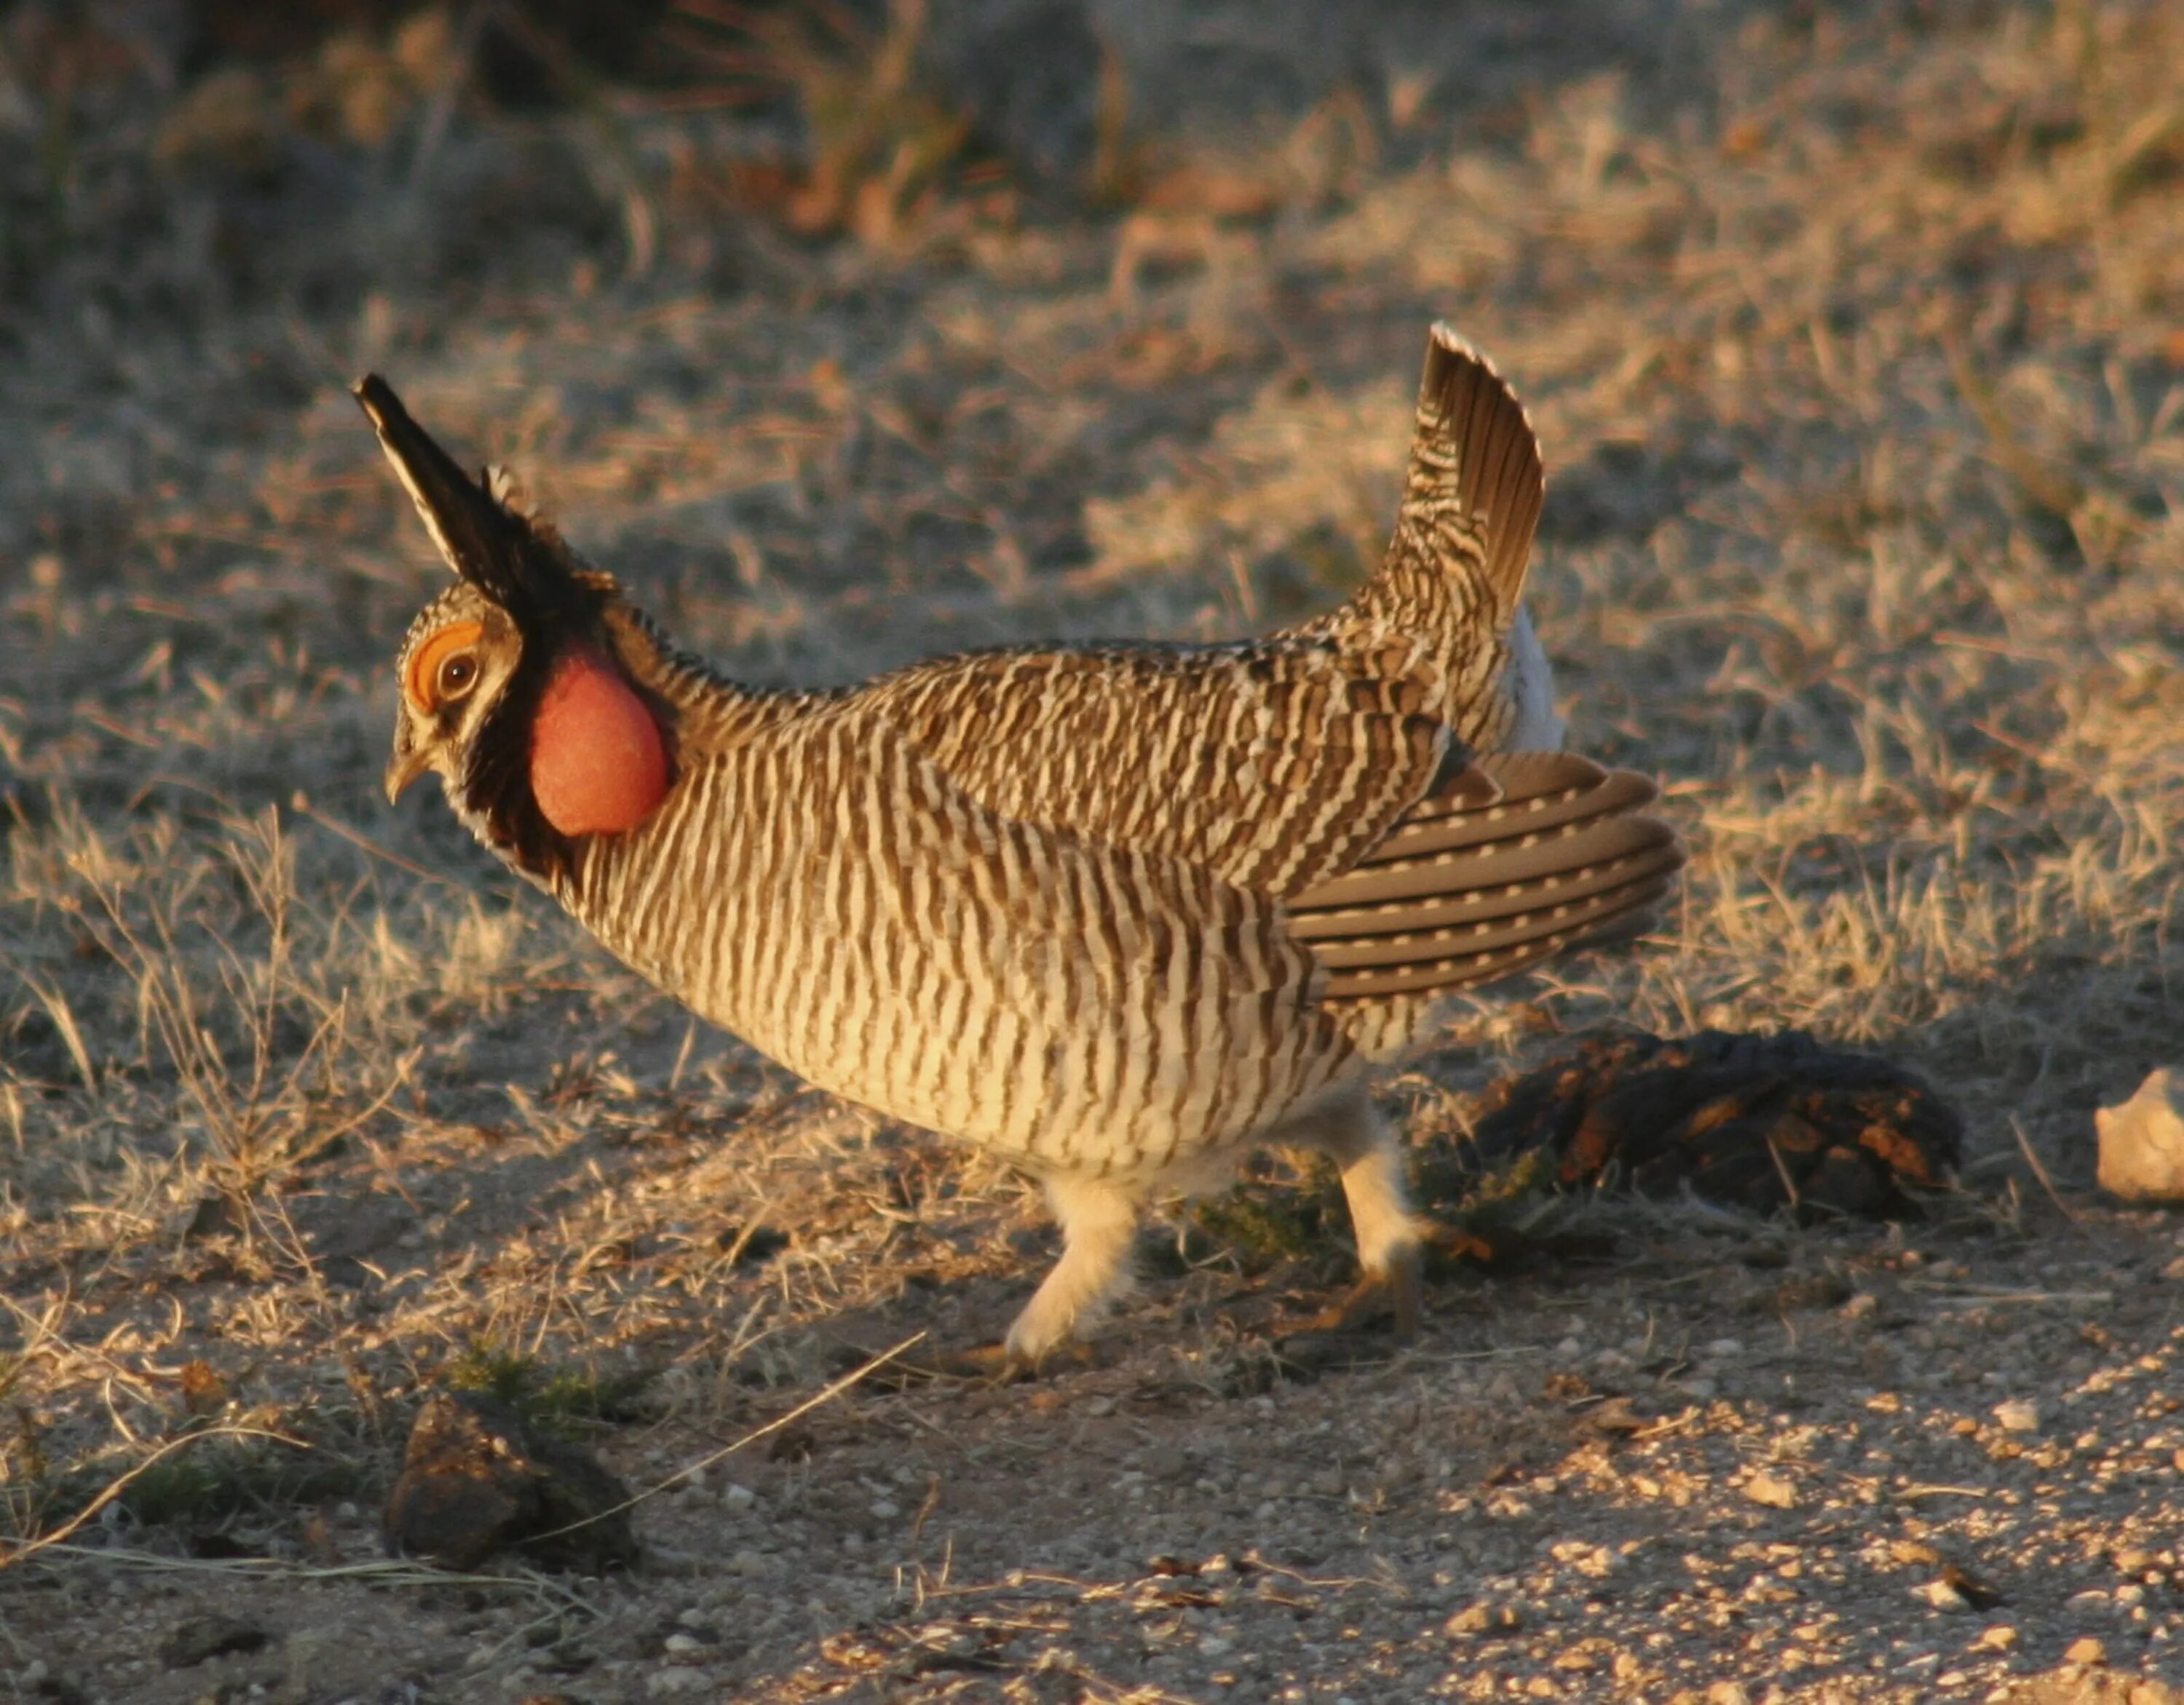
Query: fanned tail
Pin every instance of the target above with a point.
(1508, 864)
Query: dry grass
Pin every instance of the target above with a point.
(1855, 352)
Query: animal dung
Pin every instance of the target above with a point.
(476, 1479)
(1761, 1123)
(2141, 1141)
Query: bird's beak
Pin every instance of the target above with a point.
(407, 764)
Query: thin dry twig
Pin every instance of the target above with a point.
(818, 1400)
(301, 804)
(2040, 1172)
(114, 1487)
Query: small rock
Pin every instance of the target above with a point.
(1968, 1592)
(2141, 1141)
(196, 1638)
(675, 1678)
(1482, 1618)
(2085, 1649)
(683, 1645)
(38, 1680)
(1773, 1491)
(475, 1478)
(1805, 1290)
(1943, 1596)
(2018, 1415)
(1596, 1562)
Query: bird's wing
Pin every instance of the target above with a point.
(1402, 868)
(1274, 765)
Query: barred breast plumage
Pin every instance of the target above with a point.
(1116, 912)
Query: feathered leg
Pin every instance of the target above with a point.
(1098, 1221)
(1390, 1237)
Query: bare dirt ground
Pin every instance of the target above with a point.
(1855, 337)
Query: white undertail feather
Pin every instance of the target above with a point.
(1532, 688)
(1119, 913)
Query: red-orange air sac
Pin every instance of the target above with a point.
(599, 764)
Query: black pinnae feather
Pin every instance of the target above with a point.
(494, 548)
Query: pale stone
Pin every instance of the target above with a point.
(2141, 1141)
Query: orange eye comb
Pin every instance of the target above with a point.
(425, 666)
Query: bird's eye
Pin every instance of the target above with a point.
(444, 667)
(457, 676)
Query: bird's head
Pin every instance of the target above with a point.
(456, 662)
(509, 684)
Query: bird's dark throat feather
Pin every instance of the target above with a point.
(496, 783)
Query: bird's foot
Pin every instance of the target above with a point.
(1396, 1296)
(1450, 1245)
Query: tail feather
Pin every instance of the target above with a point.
(1455, 567)
(1487, 889)
(1475, 446)
(1551, 849)
(1500, 952)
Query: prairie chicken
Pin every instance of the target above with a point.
(1118, 913)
